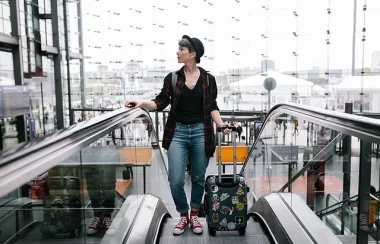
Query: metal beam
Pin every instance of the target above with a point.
(354, 40)
(8, 40)
(16, 49)
(49, 49)
(346, 150)
(81, 51)
(57, 66)
(17, 63)
(45, 16)
(347, 158)
(364, 191)
(67, 47)
(5, 48)
(76, 55)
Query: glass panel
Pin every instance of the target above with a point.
(84, 192)
(323, 166)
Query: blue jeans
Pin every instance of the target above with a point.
(187, 139)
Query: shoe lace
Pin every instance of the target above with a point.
(195, 221)
(95, 222)
(107, 221)
(182, 222)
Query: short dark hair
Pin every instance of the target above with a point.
(186, 43)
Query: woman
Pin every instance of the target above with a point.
(188, 129)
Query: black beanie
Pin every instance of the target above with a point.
(197, 46)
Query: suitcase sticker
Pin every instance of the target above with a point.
(235, 199)
(224, 196)
(215, 206)
(215, 217)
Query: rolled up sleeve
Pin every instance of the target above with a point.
(213, 94)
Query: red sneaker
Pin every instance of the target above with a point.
(95, 225)
(196, 226)
(109, 228)
(181, 226)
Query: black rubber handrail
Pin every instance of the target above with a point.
(335, 206)
(323, 212)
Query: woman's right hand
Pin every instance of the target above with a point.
(133, 104)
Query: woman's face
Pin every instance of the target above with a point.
(183, 55)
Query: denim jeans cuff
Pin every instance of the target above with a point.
(195, 205)
(184, 210)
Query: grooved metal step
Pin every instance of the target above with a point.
(254, 234)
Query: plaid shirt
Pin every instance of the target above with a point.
(210, 93)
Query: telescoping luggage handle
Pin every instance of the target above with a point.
(219, 130)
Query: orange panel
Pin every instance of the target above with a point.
(227, 154)
(136, 155)
(122, 185)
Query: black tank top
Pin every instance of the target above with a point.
(190, 105)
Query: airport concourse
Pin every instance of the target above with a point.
(92, 92)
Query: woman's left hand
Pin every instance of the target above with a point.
(226, 131)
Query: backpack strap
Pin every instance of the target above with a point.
(174, 81)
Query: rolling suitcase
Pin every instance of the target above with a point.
(226, 196)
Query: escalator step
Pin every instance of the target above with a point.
(254, 234)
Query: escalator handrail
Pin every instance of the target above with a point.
(343, 202)
(74, 130)
(328, 198)
(348, 124)
(38, 158)
(338, 205)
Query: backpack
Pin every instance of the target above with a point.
(174, 80)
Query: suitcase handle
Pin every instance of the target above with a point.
(219, 130)
(223, 127)
(227, 184)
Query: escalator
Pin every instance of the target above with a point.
(330, 155)
(111, 165)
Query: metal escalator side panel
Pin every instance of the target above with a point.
(124, 220)
(145, 225)
(280, 220)
(310, 222)
(291, 221)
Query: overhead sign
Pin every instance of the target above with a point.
(14, 101)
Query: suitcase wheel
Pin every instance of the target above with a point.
(242, 231)
(212, 231)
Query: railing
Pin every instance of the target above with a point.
(300, 156)
(56, 186)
